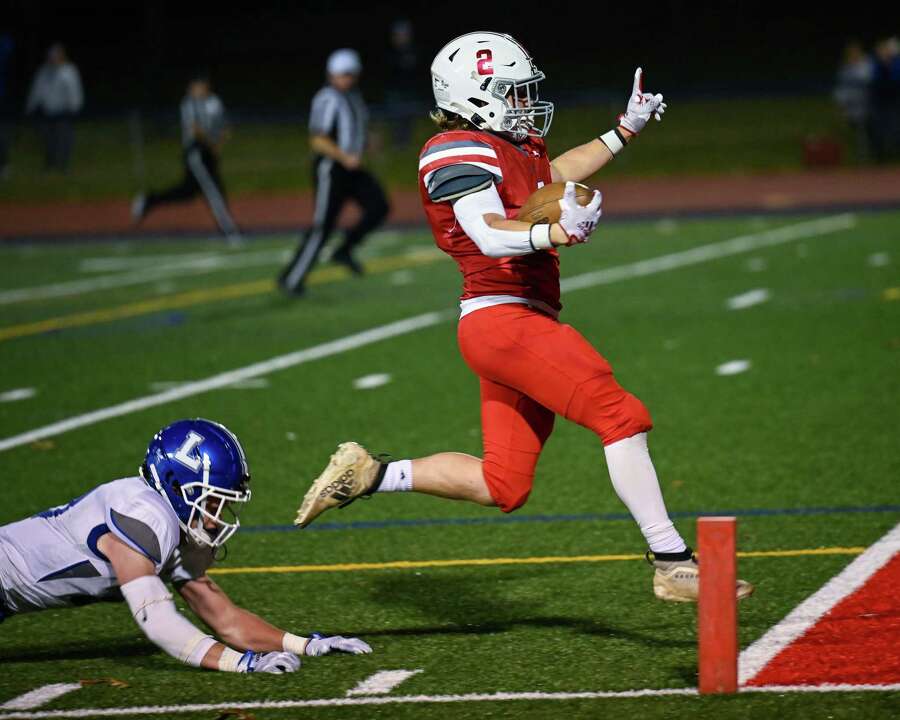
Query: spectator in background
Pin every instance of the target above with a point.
(56, 94)
(851, 93)
(403, 83)
(885, 121)
(203, 132)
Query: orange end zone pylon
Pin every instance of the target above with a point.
(717, 604)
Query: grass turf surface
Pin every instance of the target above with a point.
(809, 425)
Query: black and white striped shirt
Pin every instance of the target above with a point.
(341, 116)
(207, 114)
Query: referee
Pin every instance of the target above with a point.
(202, 135)
(338, 126)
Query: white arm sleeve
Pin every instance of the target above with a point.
(156, 614)
(470, 211)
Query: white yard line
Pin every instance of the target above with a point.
(40, 696)
(713, 251)
(421, 699)
(118, 263)
(382, 682)
(753, 659)
(153, 272)
(641, 268)
(226, 379)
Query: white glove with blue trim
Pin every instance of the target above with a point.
(270, 662)
(323, 644)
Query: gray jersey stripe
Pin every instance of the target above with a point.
(83, 569)
(139, 533)
(454, 144)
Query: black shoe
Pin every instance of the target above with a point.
(343, 256)
(296, 292)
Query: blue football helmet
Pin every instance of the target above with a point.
(199, 466)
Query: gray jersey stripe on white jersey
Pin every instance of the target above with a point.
(139, 533)
(46, 559)
(83, 569)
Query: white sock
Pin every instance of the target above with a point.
(634, 479)
(397, 477)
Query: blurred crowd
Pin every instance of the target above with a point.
(868, 92)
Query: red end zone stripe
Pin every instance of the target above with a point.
(856, 642)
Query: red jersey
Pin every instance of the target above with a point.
(518, 170)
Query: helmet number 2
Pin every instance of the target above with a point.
(186, 455)
(485, 63)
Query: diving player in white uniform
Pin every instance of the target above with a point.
(126, 538)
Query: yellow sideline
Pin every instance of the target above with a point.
(550, 560)
(208, 295)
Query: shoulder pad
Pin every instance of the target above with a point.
(454, 181)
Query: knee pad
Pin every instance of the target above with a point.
(509, 489)
(602, 405)
(634, 418)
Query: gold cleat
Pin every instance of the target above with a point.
(679, 580)
(352, 472)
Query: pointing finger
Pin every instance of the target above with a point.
(638, 86)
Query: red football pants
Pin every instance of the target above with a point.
(533, 368)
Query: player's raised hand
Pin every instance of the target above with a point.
(578, 221)
(270, 662)
(641, 106)
(324, 644)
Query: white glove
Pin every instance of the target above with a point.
(578, 221)
(641, 106)
(322, 645)
(270, 662)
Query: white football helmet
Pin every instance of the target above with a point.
(489, 79)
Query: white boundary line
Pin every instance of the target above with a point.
(755, 657)
(641, 268)
(422, 699)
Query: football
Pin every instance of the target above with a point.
(542, 206)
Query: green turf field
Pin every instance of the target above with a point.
(803, 445)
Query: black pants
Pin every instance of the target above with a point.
(201, 175)
(334, 185)
(58, 132)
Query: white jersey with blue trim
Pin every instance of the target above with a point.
(52, 560)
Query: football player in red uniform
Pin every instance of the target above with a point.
(474, 176)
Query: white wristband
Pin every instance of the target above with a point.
(294, 643)
(612, 141)
(539, 237)
(228, 660)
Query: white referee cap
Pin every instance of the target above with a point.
(344, 62)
